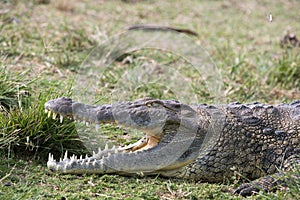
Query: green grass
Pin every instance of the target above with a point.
(14, 89)
(42, 46)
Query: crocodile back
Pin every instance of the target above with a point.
(254, 141)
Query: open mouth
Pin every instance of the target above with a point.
(169, 134)
(149, 141)
(67, 163)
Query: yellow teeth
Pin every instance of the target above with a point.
(49, 114)
(54, 115)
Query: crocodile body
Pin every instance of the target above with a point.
(211, 143)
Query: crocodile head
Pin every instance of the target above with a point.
(172, 139)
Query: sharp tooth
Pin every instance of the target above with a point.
(66, 156)
(94, 153)
(54, 115)
(106, 147)
(50, 157)
(61, 118)
(49, 114)
(72, 158)
(86, 156)
(97, 127)
(60, 160)
(99, 150)
(80, 157)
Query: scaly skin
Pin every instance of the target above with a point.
(204, 142)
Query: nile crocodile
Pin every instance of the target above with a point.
(211, 143)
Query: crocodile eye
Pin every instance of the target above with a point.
(153, 104)
(149, 104)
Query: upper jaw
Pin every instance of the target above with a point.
(138, 115)
(58, 105)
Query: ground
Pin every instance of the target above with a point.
(43, 43)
